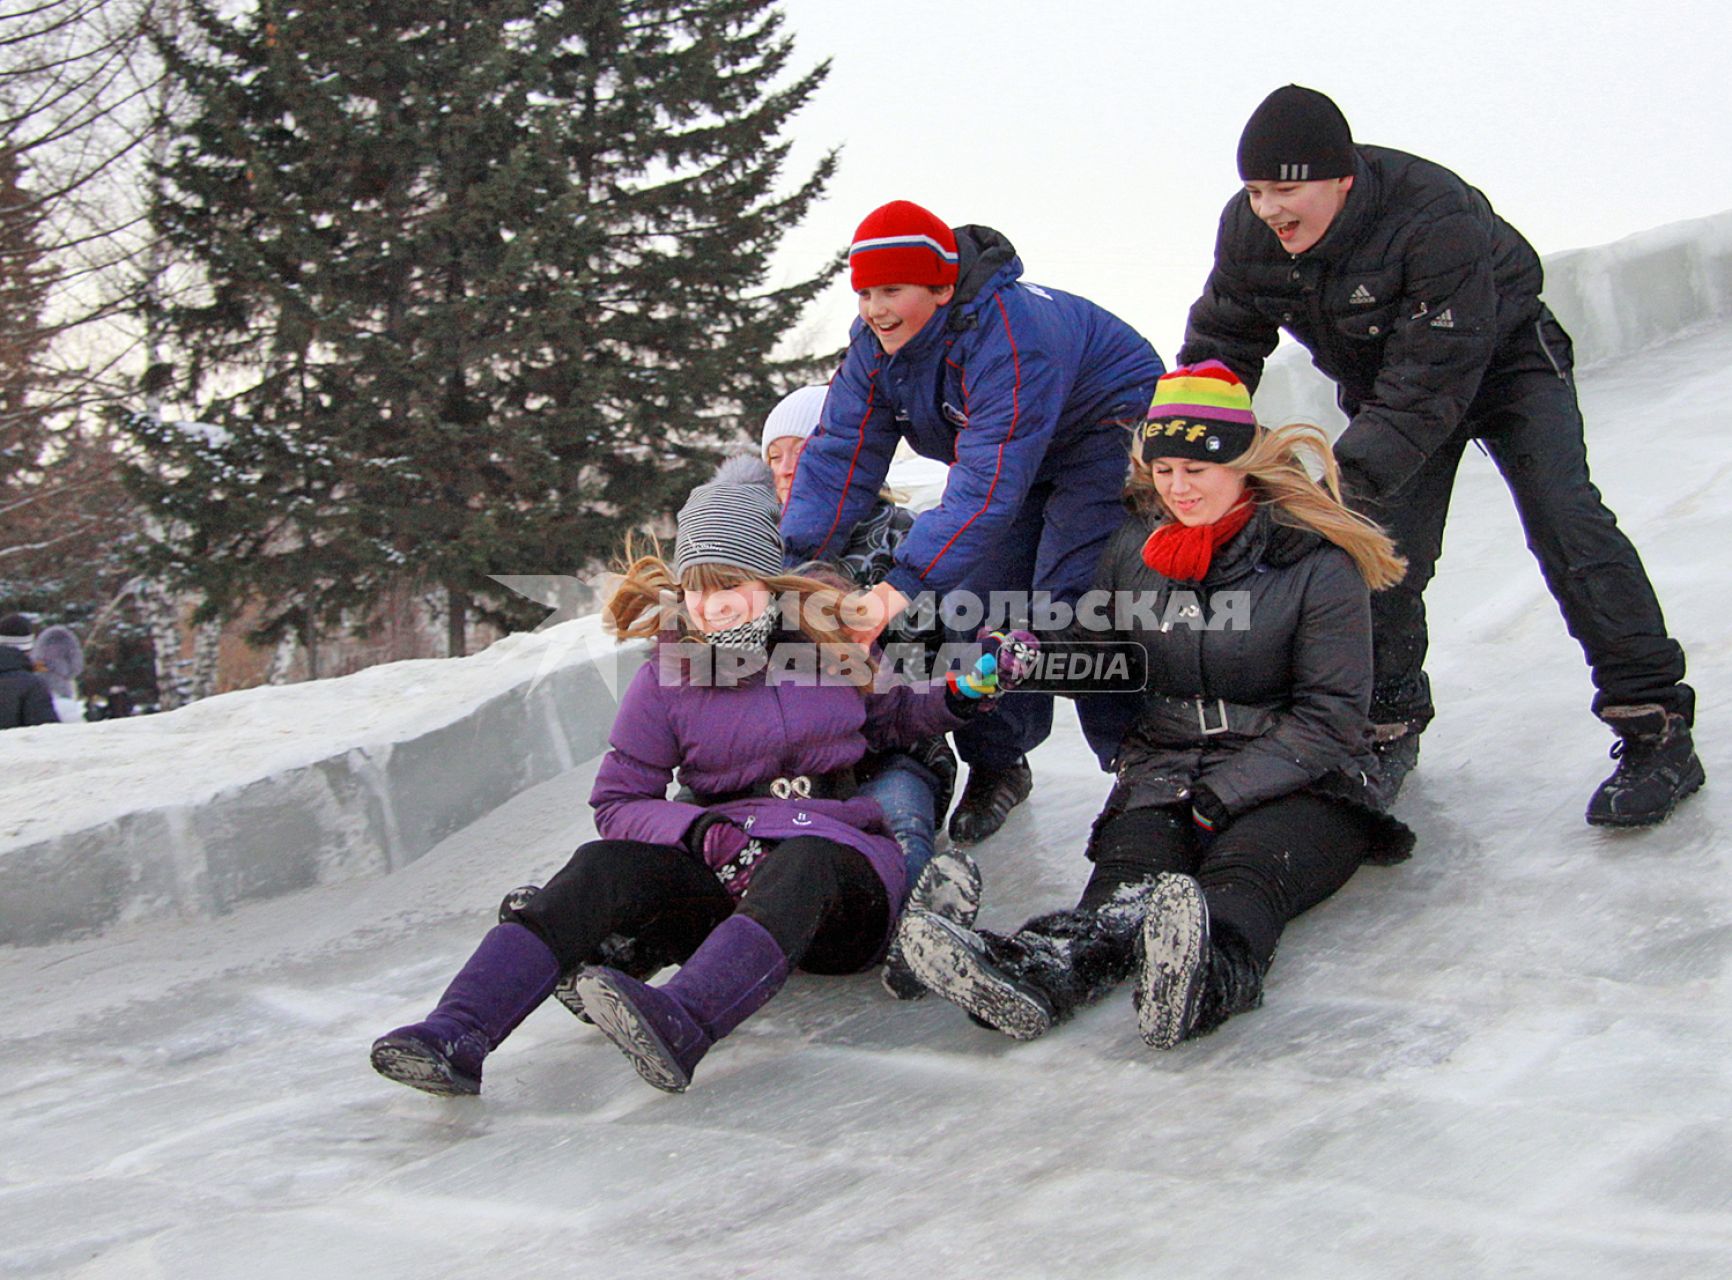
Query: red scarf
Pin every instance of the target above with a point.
(1183, 552)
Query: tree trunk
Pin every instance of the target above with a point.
(456, 622)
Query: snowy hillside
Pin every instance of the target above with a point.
(1509, 1057)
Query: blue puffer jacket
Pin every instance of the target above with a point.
(1008, 382)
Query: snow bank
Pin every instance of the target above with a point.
(261, 792)
(1614, 299)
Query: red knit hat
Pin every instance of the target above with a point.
(901, 243)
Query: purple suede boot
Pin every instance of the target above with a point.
(666, 1030)
(510, 973)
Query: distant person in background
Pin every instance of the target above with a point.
(776, 863)
(24, 696)
(1424, 307)
(60, 658)
(1028, 393)
(912, 785)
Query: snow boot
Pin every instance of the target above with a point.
(1657, 767)
(665, 1031)
(987, 801)
(1189, 981)
(949, 887)
(511, 972)
(1025, 984)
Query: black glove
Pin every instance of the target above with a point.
(1208, 812)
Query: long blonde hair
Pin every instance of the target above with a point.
(1275, 468)
(648, 602)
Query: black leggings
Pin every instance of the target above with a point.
(1268, 866)
(649, 905)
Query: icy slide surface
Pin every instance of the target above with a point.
(1509, 1057)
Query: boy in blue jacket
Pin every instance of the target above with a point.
(1027, 393)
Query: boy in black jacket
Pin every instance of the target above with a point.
(1423, 306)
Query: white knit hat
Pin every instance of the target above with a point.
(796, 416)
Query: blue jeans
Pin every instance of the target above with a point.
(905, 790)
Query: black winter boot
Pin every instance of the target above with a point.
(1657, 767)
(987, 801)
(1189, 981)
(1396, 747)
(1037, 977)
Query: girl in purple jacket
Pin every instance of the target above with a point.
(761, 709)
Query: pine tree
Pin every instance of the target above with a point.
(485, 288)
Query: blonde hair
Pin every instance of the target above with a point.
(648, 602)
(1274, 467)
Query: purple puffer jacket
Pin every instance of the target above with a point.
(727, 740)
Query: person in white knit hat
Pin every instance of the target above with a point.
(870, 551)
(912, 785)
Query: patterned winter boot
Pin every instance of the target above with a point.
(1657, 767)
(665, 1031)
(1026, 983)
(511, 972)
(987, 801)
(949, 887)
(1189, 982)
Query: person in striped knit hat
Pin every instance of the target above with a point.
(1247, 789)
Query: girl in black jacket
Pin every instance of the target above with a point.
(1247, 788)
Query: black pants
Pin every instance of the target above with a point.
(650, 905)
(1268, 866)
(1526, 415)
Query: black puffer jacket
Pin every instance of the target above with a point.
(1259, 678)
(1416, 291)
(24, 696)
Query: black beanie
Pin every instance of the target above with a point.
(1296, 135)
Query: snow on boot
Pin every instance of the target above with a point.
(1037, 977)
(1657, 767)
(1190, 981)
(987, 801)
(991, 977)
(1171, 944)
(665, 1031)
(949, 887)
(511, 972)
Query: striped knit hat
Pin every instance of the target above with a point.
(797, 416)
(732, 520)
(901, 243)
(1199, 411)
(16, 632)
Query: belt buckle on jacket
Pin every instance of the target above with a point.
(798, 787)
(1203, 717)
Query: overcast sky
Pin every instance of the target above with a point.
(1099, 136)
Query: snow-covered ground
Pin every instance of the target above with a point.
(1511, 1056)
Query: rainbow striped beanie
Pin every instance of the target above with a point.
(1200, 411)
(901, 243)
